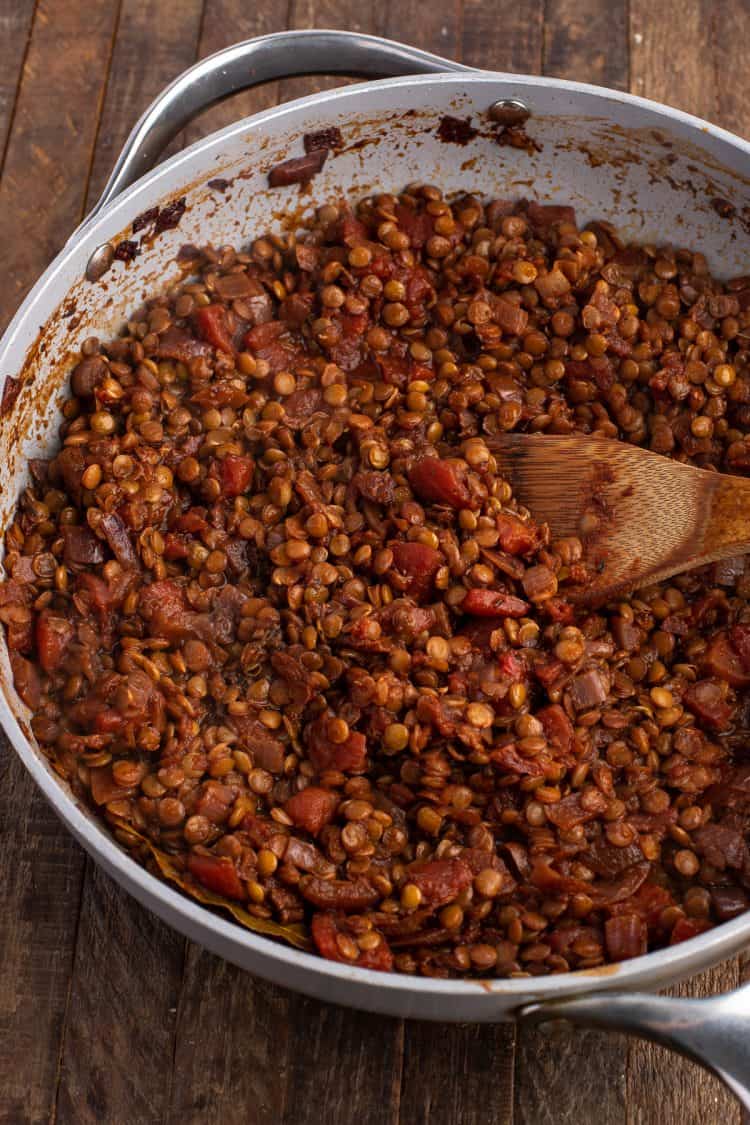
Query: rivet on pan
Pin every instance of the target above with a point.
(100, 261)
(509, 111)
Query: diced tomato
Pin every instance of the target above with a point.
(103, 596)
(740, 637)
(511, 665)
(479, 632)
(545, 214)
(261, 831)
(493, 603)
(272, 343)
(192, 522)
(439, 482)
(25, 680)
(509, 316)
(350, 896)
(348, 756)
(109, 721)
(15, 613)
(648, 902)
(418, 289)
(510, 760)
(53, 635)
(723, 659)
(573, 810)
(312, 808)
(547, 671)
(346, 352)
(211, 321)
(217, 874)
(175, 547)
(104, 788)
(347, 229)
(625, 936)
(707, 700)
(326, 927)
(394, 370)
(418, 225)
(559, 611)
(439, 880)
(558, 728)
(165, 607)
(418, 564)
(686, 928)
(516, 536)
(236, 473)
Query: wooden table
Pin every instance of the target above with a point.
(106, 1016)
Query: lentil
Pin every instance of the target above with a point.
(279, 607)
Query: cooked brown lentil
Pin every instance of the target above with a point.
(275, 609)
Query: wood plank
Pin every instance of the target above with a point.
(511, 42)
(49, 151)
(566, 1076)
(117, 1052)
(458, 1074)
(231, 1047)
(164, 31)
(41, 869)
(15, 30)
(353, 1061)
(41, 198)
(329, 14)
(670, 56)
(668, 67)
(125, 958)
(433, 27)
(729, 38)
(587, 41)
(662, 1086)
(563, 1074)
(229, 21)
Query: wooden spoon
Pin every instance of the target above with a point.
(641, 517)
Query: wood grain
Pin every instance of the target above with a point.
(511, 41)
(230, 1053)
(41, 198)
(50, 147)
(325, 13)
(730, 32)
(119, 1032)
(457, 1074)
(40, 873)
(433, 27)
(356, 1061)
(666, 66)
(245, 1051)
(15, 30)
(671, 56)
(662, 1086)
(566, 1076)
(229, 21)
(587, 41)
(117, 1068)
(166, 33)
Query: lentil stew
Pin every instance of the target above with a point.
(280, 620)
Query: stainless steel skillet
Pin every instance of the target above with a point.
(656, 171)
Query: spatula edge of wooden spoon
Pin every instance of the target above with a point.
(642, 517)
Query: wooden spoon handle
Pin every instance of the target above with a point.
(727, 527)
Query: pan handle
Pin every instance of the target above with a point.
(284, 54)
(714, 1032)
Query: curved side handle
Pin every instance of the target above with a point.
(714, 1032)
(284, 54)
